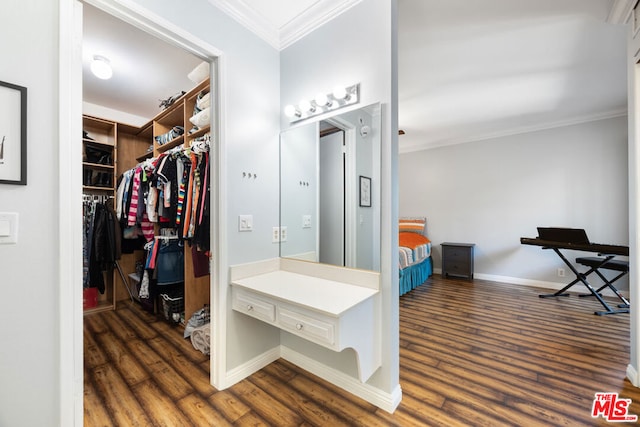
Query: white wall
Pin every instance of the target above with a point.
(357, 46)
(28, 270)
(251, 112)
(30, 331)
(493, 192)
(299, 189)
(633, 79)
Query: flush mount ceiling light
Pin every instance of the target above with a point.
(101, 67)
(340, 97)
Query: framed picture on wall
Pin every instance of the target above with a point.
(365, 191)
(13, 134)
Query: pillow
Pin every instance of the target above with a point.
(202, 118)
(199, 73)
(414, 225)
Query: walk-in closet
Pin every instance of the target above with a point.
(147, 155)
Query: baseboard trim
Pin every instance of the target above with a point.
(632, 375)
(386, 401)
(534, 283)
(241, 372)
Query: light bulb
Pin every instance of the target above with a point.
(291, 111)
(322, 100)
(305, 106)
(339, 92)
(101, 67)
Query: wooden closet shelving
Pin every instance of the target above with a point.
(99, 160)
(196, 289)
(132, 145)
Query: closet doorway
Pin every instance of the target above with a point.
(136, 21)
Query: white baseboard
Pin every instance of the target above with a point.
(632, 375)
(252, 366)
(386, 401)
(536, 283)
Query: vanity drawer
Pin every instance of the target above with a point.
(248, 304)
(306, 326)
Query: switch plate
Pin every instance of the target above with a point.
(8, 228)
(306, 221)
(245, 223)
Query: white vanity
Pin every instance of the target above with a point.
(333, 307)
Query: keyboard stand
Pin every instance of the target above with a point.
(582, 278)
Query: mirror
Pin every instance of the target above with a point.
(330, 190)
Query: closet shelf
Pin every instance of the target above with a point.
(98, 166)
(145, 156)
(198, 133)
(171, 144)
(95, 188)
(97, 143)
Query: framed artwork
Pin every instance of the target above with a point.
(365, 191)
(13, 134)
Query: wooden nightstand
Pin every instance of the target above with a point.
(457, 259)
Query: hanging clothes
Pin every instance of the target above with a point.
(100, 243)
(169, 196)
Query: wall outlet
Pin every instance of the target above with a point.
(561, 272)
(279, 234)
(245, 223)
(306, 221)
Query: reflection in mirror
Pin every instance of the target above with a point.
(330, 190)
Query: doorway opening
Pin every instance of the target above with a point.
(337, 206)
(71, 110)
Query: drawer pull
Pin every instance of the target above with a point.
(249, 307)
(299, 326)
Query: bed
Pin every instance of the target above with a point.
(414, 253)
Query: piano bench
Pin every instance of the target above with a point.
(611, 265)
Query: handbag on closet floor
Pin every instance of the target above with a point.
(170, 262)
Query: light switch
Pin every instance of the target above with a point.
(8, 228)
(245, 222)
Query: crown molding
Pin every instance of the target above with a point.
(312, 18)
(302, 24)
(251, 20)
(428, 145)
(620, 11)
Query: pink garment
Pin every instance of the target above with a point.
(133, 208)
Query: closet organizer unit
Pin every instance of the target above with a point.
(131, 146)
(99, 162)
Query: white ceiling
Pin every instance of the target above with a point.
(471, 70)
(468, 70)
(145, 69)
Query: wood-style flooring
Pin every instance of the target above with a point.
(471, 354)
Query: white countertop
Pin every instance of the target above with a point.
(326, 296)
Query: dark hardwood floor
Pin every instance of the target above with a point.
(471, 354)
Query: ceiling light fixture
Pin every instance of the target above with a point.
(340, 97)
(101, 67)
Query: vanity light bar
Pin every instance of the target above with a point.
(341, 97)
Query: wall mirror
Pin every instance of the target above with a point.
(330, 190)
